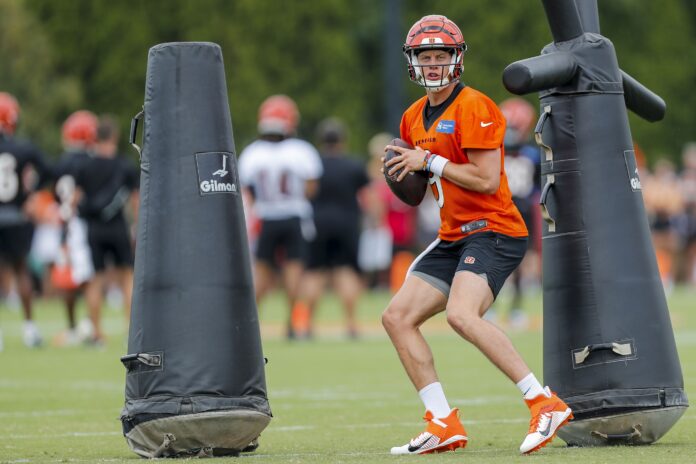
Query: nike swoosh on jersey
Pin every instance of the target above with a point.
(486, 124)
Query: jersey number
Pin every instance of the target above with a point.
(9, 181)
(438, 193)
(269, 192)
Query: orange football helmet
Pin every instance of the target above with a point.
(80, 129)
(278, 115)
(9, 113)
(434, 32)
(520, 116)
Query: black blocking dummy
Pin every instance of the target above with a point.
(195, 382)
(609, 349)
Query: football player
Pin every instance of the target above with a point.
(22, 167)
(73, 269)
(279, 172)
(523, 171)
(458, 134)
(107, 184)
(333, 254)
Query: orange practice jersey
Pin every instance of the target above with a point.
(471, 121)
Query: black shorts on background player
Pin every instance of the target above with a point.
(281, 240)
(15, 242)
(109, 243)
(336, 245)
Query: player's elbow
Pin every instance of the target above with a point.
(311, 188)
(490, 186)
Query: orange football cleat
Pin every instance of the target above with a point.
(548, 415)
(444, 434)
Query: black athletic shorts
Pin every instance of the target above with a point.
(281, 240)
(491, 255)
(109, 242)
(15, 242)
(335, 245)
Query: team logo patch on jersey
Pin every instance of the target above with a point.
(445, 126)
(216, 173)
(469, 260)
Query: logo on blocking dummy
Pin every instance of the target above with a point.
(216, 173)
(632, 168)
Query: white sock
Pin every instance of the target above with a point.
(433, 398)
(530, 387)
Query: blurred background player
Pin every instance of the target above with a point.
(73, 268)
(280, 172)
(523, 171)
(664, 203)
(107, 184)
(22, 168)
(375, 250)
(386, 211)
(687, 220)
(333, 254)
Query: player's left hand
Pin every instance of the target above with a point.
(407, 160)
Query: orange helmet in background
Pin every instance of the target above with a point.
(520, 116)
(9, 113)
(278, 115)
(80, 129)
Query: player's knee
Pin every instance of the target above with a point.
(464, 323)
(389, 321)
(393, 317)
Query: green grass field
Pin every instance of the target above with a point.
(333, 400)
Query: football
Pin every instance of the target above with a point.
(411, 189)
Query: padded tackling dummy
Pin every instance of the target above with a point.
(609, 350)
(195, 381)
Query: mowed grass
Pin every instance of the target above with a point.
(333, 400)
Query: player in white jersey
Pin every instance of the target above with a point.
(280, 172)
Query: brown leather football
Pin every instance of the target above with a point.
(411, 189)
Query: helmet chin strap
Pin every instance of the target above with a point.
(439, 85)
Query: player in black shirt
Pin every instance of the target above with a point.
(337, 216)
(107, 183)
(74, 268)
(22, 168)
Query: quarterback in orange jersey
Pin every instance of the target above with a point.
(458, 135)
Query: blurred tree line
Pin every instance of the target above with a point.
(59, 56)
